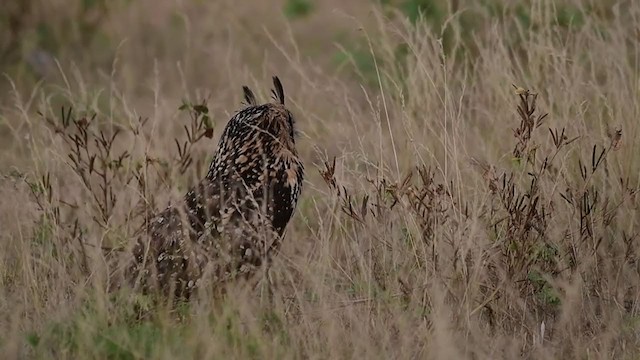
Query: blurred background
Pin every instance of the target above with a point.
(130, 40)
(154, 54)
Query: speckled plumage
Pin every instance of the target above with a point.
(230, 222)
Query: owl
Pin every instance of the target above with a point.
(230, 223)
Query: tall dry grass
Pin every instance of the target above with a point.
(446, 213)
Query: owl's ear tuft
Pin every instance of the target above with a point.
(278, 90)
(249, 97)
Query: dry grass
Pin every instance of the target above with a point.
(446, 214)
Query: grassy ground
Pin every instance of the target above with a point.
(446, 213)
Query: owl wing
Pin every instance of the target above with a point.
(166, 252)
(213, 234)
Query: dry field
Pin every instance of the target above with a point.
(471, 189)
